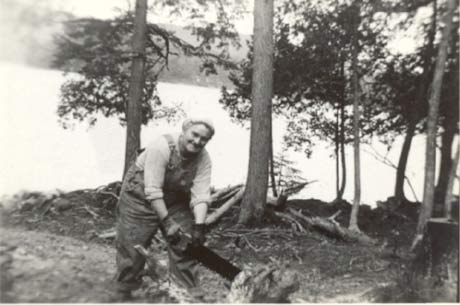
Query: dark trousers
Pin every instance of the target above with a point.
(136, 224)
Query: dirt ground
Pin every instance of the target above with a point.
(52, 250)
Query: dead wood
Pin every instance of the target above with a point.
(213, 217)
(291, 219)
(107, 234)
(333, 228)
(297, 188)
(266, 284)
(225, 193)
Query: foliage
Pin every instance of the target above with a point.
(99, 53)
(287, 175)
(400, 81)
(312, 68)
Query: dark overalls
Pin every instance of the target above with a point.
(137, 222)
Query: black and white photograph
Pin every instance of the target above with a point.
(229, 151)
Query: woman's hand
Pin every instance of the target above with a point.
(170, 229)
(198, 232)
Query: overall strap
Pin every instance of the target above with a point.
(172, 146)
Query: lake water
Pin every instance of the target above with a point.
(37, 154)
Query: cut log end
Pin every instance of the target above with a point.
(266, 284)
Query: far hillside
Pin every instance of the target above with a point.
(29, 30)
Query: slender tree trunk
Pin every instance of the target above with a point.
(432, 121)
(356, 117)
(415, 115)
(445, 166)
(402, 164)
(133, 113)
(450, 186)
(254, 200)
(272, 165)
(341, 129)
(342, 149)
(337, 154)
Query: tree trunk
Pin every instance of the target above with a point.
(445, 166)
(254, 199)
(337, 154)
(272, 165)
(356, 117)
(133, 112)
(402, 164)
(342, 148)
(450, 186)
(432, 120)
(341, 137)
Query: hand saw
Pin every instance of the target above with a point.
(208, 258)
(204, 255)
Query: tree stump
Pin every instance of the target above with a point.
(438, 255)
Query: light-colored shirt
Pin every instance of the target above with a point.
(154, 161)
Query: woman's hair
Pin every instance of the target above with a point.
(194, 121)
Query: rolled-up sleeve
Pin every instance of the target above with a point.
(156, 161)
(201, 189)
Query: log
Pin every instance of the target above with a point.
(213, 217)
(222, 193)
(333, 228)
(263, 284)
(216, 200)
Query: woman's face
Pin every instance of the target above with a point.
(194, 139)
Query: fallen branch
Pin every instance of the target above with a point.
(91, 212)
(291, 220)
(108, 193)
(227, 205)
(333, 228)
(107, 234)
(222, 197)
(249, 244)
(221, 193)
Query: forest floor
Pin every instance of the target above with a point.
(51, 250)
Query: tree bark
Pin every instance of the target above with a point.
(402, 164)
(432, 121)
(356, 117)
(450, 186)
(133, 111)
(445, 166)
(337, 154)
(413, 110)
(341, 138)
(342, 149)
(254, 199)
(272, 164)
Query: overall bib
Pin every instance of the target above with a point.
(137, 222)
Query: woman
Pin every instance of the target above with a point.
(168, 187)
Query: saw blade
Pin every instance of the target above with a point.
(213, 261)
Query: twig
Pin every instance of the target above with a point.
(291, 219)
(111, 233)
(297, 188)
(91, 212)
(387, 162)
(332, 218)
(249, 244)
(108, 193)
